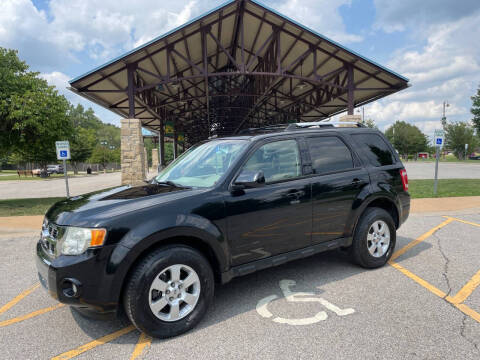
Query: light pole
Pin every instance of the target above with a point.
(112, 147)
(104, 145)
(363, 114)
(444, 118)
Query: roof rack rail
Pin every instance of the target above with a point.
(320, 124)
(278, 127)
(301, 126)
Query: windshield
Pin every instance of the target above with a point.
(204, 164)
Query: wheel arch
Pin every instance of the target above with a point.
(382, 202)
(388, 205)
(194, 242)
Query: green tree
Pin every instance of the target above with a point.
(458, 134)
(475, 110)
(407, 138)
(103, 155)
(370, 123)
(32, 114)
(82, 144)
(84, 118)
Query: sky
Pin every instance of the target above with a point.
(434, 43)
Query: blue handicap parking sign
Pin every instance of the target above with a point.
(439, 141)
(63, 153)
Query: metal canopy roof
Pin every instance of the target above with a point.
(240, 65)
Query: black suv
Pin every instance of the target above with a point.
(225, 208)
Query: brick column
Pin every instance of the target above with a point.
(132, 152)
(351, 118)
(146, 160)
(155, 159)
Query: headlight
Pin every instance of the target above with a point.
(77, 240)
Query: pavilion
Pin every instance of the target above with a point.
(237, 66)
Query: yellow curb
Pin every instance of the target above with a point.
(21, 223)
(444, 204)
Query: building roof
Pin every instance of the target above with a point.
(239, 65)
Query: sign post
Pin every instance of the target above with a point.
(63, 153)
(438, 141)
(466, 148)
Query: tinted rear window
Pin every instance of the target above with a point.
(375, 149)
(329, 154)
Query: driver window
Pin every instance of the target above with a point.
(279, 160)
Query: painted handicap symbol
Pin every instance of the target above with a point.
(285, 285)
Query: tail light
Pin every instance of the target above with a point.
(404, 176)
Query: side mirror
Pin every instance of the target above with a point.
(249, 180)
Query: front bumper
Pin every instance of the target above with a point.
(88, 274)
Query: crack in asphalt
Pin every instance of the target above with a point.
(462, 333)
(445, 267)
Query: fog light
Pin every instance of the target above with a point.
(71, 288)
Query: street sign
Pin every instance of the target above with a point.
(63, 150)
(439, 137)
(63, 153)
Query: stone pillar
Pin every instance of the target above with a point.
(175, 144)
(146, 160)
(155, 159)
(351, 118)
(132, 152)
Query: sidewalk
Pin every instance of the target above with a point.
(446, 204)
(16, 226)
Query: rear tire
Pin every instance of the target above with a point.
(169, 291)
(374, 239)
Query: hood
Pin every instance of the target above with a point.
(93, 209)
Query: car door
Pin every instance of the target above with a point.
(275, 217)
(337, 181)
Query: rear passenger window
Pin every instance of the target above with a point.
(329, 154)
(375, 148)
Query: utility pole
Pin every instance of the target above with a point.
(363, 114)
(444, 118)
(104, 145)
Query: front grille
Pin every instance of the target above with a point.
(53, 231)
(50, 235)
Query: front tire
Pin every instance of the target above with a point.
(374, 239)
(169, 291)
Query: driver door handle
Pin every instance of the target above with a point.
(296, 194)
(357, 182)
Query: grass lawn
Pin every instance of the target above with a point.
(446, 188)
(21, 207)
(29, 177)
(8, 172)
(52, 176)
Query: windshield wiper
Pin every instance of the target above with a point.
(168, 182)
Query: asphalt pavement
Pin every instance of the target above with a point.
(21, 189)
(423, 305)
(446, 170)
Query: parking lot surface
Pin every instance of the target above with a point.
(426, 170)
(22, 189)
(424, 305)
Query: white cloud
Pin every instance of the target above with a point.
(405, 14)
(447, 67)
(99, 29)
(320, 15)
(443, 65)
(60, 81)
